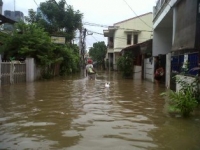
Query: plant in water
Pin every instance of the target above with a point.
(185, 100)
(125, 64)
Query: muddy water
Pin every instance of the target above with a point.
(76, 114)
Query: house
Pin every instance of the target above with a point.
(140, 52)
(176, 36)
(126, 33)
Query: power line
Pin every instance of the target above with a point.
(94, 38)
(35, 3)
(119, 38)
(136, 14)
(106, 26)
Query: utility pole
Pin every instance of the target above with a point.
(82, 46)
(14, 5)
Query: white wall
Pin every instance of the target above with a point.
(188, 80)
(148, 69)
(160, 16)
(120, 37)
(162, 41)
(30, 64)
(137, 70)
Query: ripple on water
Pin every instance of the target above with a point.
(77, 114)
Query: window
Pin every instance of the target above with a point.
(129, 39)
(135, 40)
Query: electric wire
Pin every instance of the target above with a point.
(137, 15)
(107, 26)
(35, 3)
(119, 38)
(94, 38)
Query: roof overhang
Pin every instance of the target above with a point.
(143, 46)
(132, 31)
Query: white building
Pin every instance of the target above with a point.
(176, 35)
(125, 33)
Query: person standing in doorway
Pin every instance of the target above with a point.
(159, 71)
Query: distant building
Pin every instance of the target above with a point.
(14, 15)
(126, 33)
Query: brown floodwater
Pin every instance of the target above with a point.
(74, 113)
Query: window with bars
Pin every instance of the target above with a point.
(135, 39)
(177, 63)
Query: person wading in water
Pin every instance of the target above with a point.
(90, 72)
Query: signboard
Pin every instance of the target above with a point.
(58, 40)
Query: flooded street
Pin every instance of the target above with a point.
(75, 113)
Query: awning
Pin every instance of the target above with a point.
(145, 46)
(3, 20)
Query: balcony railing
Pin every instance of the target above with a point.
(159, 6)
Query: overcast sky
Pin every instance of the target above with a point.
(104, 12)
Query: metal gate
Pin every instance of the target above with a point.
(177, 63)
(13, 72)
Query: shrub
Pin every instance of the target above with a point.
(125, 65)
(186, 99)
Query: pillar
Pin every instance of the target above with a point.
(30, 74)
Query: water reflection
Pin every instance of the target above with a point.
(75, 113)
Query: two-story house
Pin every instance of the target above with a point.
(125, 33)
(176, 36)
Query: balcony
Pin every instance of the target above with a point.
(110, 31)
(110, 47)
(159, 6)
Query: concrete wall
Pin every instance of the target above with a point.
(168, 70)
(163, 12)
(137, 70)
(30, 65)
(32, 71)
(162, 41)
(148, 69)
(188, 80)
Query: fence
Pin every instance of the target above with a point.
(13, 72)
(17, 72)
(177, 63)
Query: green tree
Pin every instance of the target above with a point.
(98, 53)
(57, 19)
(29, 40)
(61, 21)
(71, 61)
